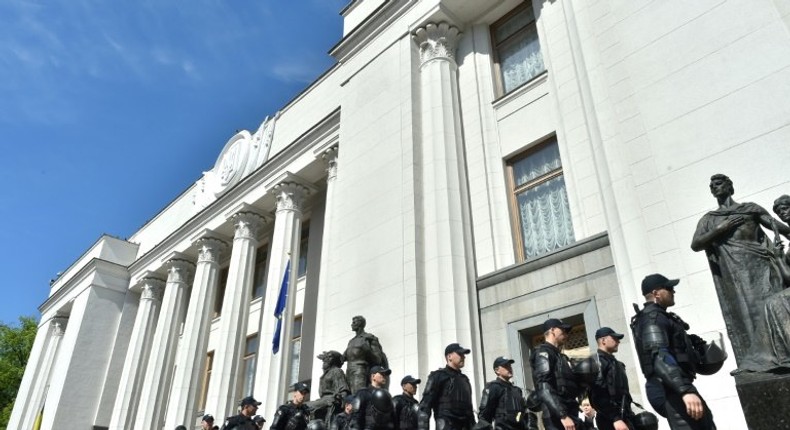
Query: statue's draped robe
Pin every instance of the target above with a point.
(746, 277)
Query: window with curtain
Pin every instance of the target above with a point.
(259, 278)
(540, 201)
(516, 48)
(296, 349)
(302, 268)
(248, 366)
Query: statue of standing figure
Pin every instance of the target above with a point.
(777, 309)
(363, 352)
(332, 388)
(744, 265)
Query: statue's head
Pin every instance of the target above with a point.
(358, 323)
(782, 208)
(331, 359)
(721, 186)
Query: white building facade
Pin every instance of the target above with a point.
(466, 170)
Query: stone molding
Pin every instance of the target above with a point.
(152, 289)
(210, 249)
(290, 196)
(58, 326)
(437, 42)
(247, 225)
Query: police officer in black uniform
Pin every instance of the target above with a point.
(668, 356)
(503, 404)
(293, 415)
(609, 393)
(555, 383)
(373, 409)
(448, 394)
(406, 406)
(243, 421)
(342, 420)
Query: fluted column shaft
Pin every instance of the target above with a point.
(330, 158)
(161, 357)
(191, 359)
(56, 328)
(444, 249)
(271, 378)
(130, 385)
(235, 312)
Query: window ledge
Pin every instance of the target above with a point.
(521, 89)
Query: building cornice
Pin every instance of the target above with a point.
(317, 135)
(370, 28)
(576, 249)
(94, 266)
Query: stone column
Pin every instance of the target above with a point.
(330, 158)
(125, 409)
(191, 358)
(271, 378)
(38, 390)
(225, 375)
(161, 358)
(444, 251)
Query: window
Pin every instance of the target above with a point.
(539, 201)
(516, 49)
(222, 283)
(296, 349)
(259, 278)
(302, 269)
(206, 380)
(248, 366)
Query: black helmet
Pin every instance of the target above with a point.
(645, 421)
(316, 425)
(586, 370)
(712, 360)
(381, 400)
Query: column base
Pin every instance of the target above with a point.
(764, 397)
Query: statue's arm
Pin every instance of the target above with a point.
(769, 222)
(703, 237)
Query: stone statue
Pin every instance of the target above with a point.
(777, 310)
(743, 262)
(362, 352)
(332, 388)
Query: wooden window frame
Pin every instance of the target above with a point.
(499, 84)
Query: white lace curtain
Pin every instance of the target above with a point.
(521, 60)
(545, 218)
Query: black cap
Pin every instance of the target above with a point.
(208, 418)
(554, 322)
(606, 331)
(250, 401)
(380, 369)
(301, 387)
(454, 347)
(657, 281)
(349, 399)
(503, 361)
(408, 379)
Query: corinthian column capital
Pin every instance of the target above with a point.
(290, 196)
(247, 224)
(179, 270)
(437, 42)
(58, 325)
(210, 249)
(330, 158)
(152, 289)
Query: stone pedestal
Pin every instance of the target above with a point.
(764, 399)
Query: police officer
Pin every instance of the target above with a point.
(406, 406)
(555, 383)
(373, 409)
(342, 421)
(243, 421)
(667, 356)
(448, 394)
(294, 415)
(503, 404)
(609, 393)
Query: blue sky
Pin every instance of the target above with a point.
(109, 110)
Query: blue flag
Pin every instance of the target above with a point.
(280, 308)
